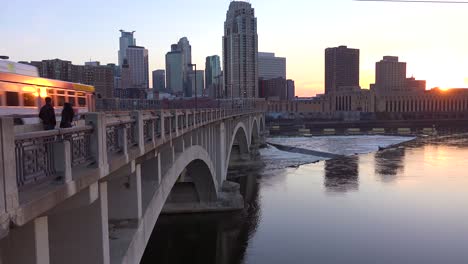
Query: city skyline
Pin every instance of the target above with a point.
(433, 45)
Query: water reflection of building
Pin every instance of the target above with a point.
(342, 174)
(388, 163)
(206, 238)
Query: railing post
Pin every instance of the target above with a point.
(176, 123)
(122, 135)
(63, 160)
(8, 183)
(162, 126)
(140, 138)
(98, 141)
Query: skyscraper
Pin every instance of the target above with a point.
(270, 67)
(291, 90)
(159, 80)
(126, 75)
(178, 69)
(126, 40)
(138, 62)
(212, 76)
(341, 68)
(184, 47)
(390, 74)
(197, 83)
(240, 51)
(54, 69)
(174, 72)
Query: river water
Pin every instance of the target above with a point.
(404, 204)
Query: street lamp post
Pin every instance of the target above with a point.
(195, 65)
(218, 88)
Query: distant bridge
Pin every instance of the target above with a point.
(93, 193)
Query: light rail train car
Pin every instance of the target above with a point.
(22, 95)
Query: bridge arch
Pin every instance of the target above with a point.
(195, 163)
(240, 140)
(255, 131)
(262, 123)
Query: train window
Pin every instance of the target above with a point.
(81, 101)
(50, 91)
(12, 98)
(60, 100)
(72, 100)
(80, 94)
(71, 93)
(29, 99)
(60, 92)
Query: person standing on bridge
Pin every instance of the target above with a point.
(67, 116)
(47, 115)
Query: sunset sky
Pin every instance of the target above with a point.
(431, 38)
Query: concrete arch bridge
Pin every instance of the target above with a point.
(93, 193)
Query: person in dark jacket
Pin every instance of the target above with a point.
(47, 115)
(67, 116)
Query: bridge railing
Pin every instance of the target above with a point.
(33, 162)
(51, 154)
(118, 104)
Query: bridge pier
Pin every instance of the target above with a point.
(27, 244)
(80, 234)
(124, 196)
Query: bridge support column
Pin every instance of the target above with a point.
(27, 244)
(221, 157)
(162, 126)
(150, 179)
(81, 234)
(124, 196)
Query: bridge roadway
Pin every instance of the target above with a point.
(93, 193)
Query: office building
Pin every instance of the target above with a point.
(178, 68)
(126, 76)
(341, 68)
(54, 69)
(138, 62)
(175, 72)
(126, 39)
(197, 83)
(92, 63)
(213, 76)
(390, 75)
(291, 90)
(273, 89)
(159, 80)
(270, 67)
(240, 51)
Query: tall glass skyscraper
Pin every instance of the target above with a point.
(212, 77)
(126, 40)
(174, 72)
(240, 51)
(178, 71)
